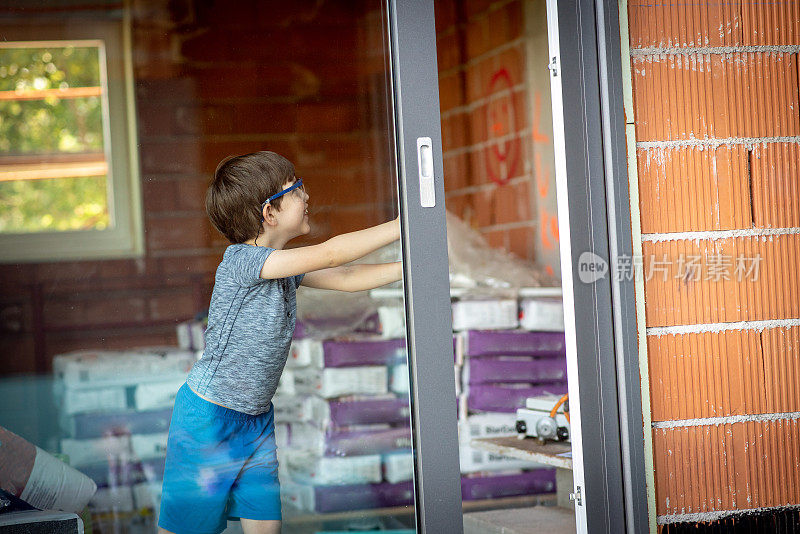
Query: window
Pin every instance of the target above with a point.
(68, 167)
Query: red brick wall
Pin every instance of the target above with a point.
(717, 156)
(305, 80)
(485, 104)
(213, 79)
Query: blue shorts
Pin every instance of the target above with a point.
(221, 464)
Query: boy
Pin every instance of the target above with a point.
(221, 457)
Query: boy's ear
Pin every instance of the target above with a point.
(268, 213)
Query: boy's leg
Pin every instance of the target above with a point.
(200, 467)
(255, 497)
(253, 526)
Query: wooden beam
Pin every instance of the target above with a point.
(41, 94)
(40, 171)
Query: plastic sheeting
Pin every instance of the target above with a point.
(328, 314)
(474, 266)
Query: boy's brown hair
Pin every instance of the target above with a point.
(241, 184)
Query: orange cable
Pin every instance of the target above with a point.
(561, 401)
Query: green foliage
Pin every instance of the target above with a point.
(56, 204)
(49, 68)
(51, 126)
(54, 124)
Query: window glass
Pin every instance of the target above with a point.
(53, 170)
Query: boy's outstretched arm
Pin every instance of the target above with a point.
(334, 252)
(357, 277)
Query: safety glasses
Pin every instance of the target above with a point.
(296, 185)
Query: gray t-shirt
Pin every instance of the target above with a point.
(250, 327)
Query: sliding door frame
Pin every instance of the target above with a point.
(595, 225)
(415, 83)
(594, 217)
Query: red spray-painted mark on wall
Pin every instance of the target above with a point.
(554, 227)
(548, 227)
(543, 227)
(538, 137)
(548, 224)
(502, 155)
(542, 179)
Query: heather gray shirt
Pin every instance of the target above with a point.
(250, 326)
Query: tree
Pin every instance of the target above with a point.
(48, 127)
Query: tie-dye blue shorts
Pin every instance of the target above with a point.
(221, 464)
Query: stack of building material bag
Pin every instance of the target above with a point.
(506, 351)
(344, 439)
(342, 411)
(114, 413)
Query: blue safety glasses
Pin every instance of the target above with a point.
(298, 183)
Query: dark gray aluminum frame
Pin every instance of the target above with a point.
(426, 274)
(599, 221)
(620, 246)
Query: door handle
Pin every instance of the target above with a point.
(427, 191)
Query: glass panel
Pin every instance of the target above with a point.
(102, 349)
(52, 167)
(54, 204)
(503, 238)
